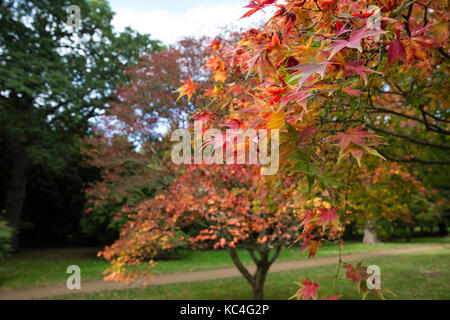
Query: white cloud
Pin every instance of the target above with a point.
(169, 27)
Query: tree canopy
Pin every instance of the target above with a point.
(54, 79)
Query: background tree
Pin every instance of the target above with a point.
(53, 80)
(226, 207)
(129, 144)
(386, 200)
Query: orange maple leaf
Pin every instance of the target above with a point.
(312, 246)
(187, 89)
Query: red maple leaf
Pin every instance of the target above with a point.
(257, 5)
(353, 135)
(308, 290)
(307, 69)
(356, 274)
(203, 116)
(351, 91)
(327, 215)
(359, 68)
(354, 41)
(396, 50)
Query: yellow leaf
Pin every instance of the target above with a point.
(220, 76)
(277, 120)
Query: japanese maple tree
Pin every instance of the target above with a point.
(339, 79)
(232, 207)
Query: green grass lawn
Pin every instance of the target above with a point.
(48, 266)
(422, 275)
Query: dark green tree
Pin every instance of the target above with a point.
(54, 79)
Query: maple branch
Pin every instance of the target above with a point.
(317, 4)
(275, 256)
(435, 118)
(240, 266)
(406, 18)
(442, 52)
(430, 126)
(412, 160)
(252, 254)
(425, 15)
(410, 139)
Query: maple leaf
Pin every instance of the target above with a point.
(187, 89)
(327, 5)
(357, 274)
(257, 5)
(286, 17)
(215, 64)
(307, 133)
(220, 76)
(363, 14)
(275, 41)
(327, 215)
(277, 120)
(233, 124)
(215, 45)
(308, 290)
(396, 50)
(203, 116)
(353, 142)
(354, 41)
(273, 90)
(307, 69)
(312, 246)
(299, 97)
(351, 91)
(353, 135)
(359, 68)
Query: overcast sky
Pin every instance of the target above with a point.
(170, 20)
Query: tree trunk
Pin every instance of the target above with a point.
(443, 228)
(262, 267)
(17, 187)
(409, 234)
(370, 233)
(260, 279)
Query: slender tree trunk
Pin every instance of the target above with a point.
(443, 227)
(260, 279)
(370, 233)
(17, 187)
(409, 233)
(262, 267)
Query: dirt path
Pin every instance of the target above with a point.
(180, 277)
